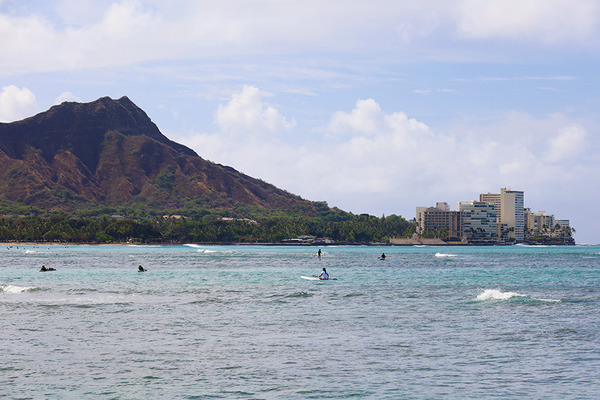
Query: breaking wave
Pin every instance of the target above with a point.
(12, 289)
(496, 294)
(445, 255)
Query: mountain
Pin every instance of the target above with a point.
(109, 153)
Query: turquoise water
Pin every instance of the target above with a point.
(238, 322)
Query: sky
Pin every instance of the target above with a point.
(374, 107)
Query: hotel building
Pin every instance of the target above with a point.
(439, 219)
(510, 219)
(478, 221)
(495, 218)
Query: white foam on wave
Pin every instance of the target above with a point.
(209, 251)
(12, 289)
(496, 294)
(196, 246)
(445, 255)
(30, 252)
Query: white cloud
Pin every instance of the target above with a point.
(247, 114)
(66, 96)
(367, 160)
(16, 103)
(366, 118)
(539, 21)
(96, 33)
(567, 144)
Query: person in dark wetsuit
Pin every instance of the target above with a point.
(141, 269)
(382, 256)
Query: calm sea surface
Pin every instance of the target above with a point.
(239, 322)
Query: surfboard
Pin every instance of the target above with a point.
(310, 278)
(314, 278)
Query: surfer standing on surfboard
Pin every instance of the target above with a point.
(324, 275)
(319, 254)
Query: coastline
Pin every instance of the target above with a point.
(42, 244)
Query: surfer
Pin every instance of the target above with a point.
(382, 256)
(319, 254)
(324, 275)
(141, 269)
(44, 269)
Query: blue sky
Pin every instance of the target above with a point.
(374, 107)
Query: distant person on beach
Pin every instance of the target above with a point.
(324, 275)
(382, 256)
(319, 254)
(141, 269)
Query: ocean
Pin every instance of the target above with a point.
(239, 322)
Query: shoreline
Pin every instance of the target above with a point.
(42, 244)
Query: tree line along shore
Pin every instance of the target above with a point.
(347, 229)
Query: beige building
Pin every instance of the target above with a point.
(538, 221)
(528, 220)
(542, 219)
(439, 219)
(510, 218)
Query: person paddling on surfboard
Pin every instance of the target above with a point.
(382, 256)
(324, 275)
(141, 269)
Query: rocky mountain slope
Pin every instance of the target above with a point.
(109, 153)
